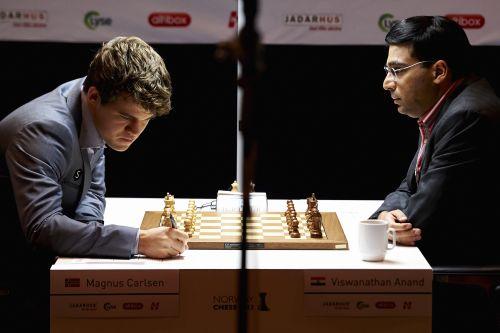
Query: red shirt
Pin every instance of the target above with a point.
(426, 123)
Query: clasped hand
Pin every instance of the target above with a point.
(405, 233)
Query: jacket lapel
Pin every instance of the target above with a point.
(87, 174)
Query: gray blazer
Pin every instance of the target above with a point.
(58, 184)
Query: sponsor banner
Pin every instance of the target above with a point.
(366, 22)
(173, 21)
(312, 22)
(366, 280)
(368, 305)
(114, 281)
(114, 306)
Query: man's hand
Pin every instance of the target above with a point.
(405, 233)
(162, 242)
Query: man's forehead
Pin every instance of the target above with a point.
(400, 54)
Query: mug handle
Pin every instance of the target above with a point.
(392, 245)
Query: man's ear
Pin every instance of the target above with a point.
(441, 71)
(93, 97)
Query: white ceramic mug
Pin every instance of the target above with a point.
(373, 239)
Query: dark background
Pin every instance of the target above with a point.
(324, 122)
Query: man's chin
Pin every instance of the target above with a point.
(118, 147)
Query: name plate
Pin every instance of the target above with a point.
(232, 202)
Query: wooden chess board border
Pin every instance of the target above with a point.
(335, 237)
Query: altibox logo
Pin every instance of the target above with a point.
(468, 21)
(233, 19)
(169, 20)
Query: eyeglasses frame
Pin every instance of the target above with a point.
(394, 71)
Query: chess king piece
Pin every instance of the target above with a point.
(311, 202)
(170, 203)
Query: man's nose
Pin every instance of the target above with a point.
(389, 83)
(134, 127)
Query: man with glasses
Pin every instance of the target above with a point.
(447, 204)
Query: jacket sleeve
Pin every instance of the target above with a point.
(457, 151)
(37, 158)
(395, 200)
(454, 177)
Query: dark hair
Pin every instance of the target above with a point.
(434, 38)
(128, 65)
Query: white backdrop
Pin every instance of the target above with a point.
(167, 21)
(316, 22)
(366, 22)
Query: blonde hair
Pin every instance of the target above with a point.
(128, 65)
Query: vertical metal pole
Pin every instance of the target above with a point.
(249, 39)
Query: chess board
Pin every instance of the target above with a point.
(265, 231)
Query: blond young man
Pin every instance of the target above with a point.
(52, 168)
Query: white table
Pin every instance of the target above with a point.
(289, 290)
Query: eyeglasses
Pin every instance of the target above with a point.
(393, 72)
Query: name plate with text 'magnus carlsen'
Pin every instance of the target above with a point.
(232, 202)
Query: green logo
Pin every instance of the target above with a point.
(385, 22)
(93, 19)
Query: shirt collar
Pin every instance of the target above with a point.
(428, 119)
(89, 136)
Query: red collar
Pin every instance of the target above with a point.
(428, 119)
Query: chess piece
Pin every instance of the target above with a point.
(165, 220)
(314, 223)
(170, 202)
(295, 228)
(311, 202)
(234, 187)
(289, 213)
(192, 217)
(187, 226)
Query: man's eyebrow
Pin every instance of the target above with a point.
(395, 63)
(128, 115)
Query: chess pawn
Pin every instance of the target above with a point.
(193, 221)
(165, 218)
(187, 226)
(294, 233)
(234, 186)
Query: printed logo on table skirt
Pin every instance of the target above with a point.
(134, 306)
(231, 303)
